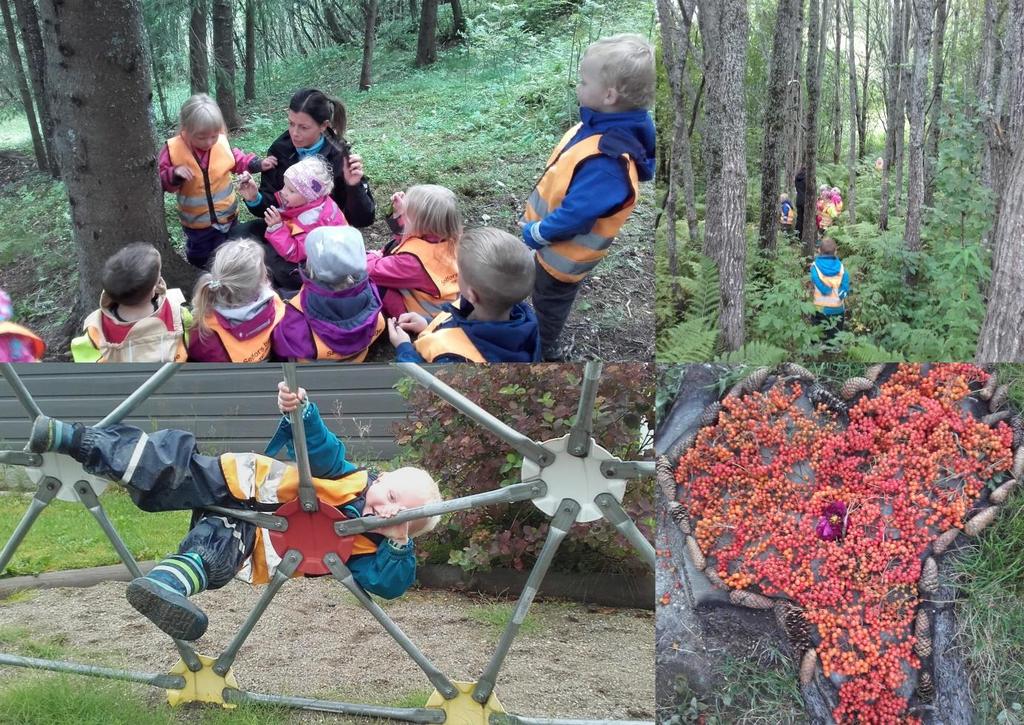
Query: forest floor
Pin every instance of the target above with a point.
(481, 121)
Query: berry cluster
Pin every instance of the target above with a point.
(839, 520)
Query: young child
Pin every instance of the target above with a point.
(305, 204)
(235, 308)
(197, 165)
(337, 313)
(490, 322)
(163, 471)
(416, 272)
(826, 207)
(831, 286)
(837, 200)
(139, 319)
(17, 344)
(787, 214)
(590, 185)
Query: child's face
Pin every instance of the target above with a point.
(591, 91)
(203, 140)
(394, 492)
(291, 196)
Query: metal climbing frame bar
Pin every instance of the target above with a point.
(307, 494)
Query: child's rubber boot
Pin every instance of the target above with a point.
(49, 434)
(162, 596)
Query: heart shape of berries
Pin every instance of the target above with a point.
(829, 514)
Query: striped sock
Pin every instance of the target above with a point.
(183, 574)
(62, 436)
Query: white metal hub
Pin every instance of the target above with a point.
(69, 472)
(579, 479)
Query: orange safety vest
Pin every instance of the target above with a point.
(36, 342)
(834, 281)
(571, 260)
(441, 269)
(209, 197)
(160, 337)
(432, 343)
(325, 353)
(251, 349)
(254, 477)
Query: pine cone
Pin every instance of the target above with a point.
(1018, 463)
(999, 397)
(681, 516)
(753, 382)
(923, 634)
(1002, 493)
(796, 627)
(929, 581)
(696, 555)
(710, 414)
(925, 687)
(980, 520)
(752, 600)
(944, 541)
(807, 666)
(993, 418)
(985, 393)
(823, 396)
(1017, 424)
(665, 477)
(874, 371)
(796, 371)
(855, 385)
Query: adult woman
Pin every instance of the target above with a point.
(316, 126)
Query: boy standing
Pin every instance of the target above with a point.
(831, 286)
(592, 179)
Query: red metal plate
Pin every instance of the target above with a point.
(313, 535)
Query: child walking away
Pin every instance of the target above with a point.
(416, 272)
(787, 214)
(831, 286)
(490, 322)
(305, 204)
(163, 471)
(337, 313)
(235, 307)
(591, 182)
(17, 344)
(197, 165)
(139, 319)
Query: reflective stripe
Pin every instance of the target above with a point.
(412, 302)
(563, 264)
(201, 200)
(134, 460)
(536, 201)
(590, 240)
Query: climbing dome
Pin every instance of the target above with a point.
(570, 479)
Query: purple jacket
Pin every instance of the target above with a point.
(209, 348)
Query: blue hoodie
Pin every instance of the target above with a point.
(516, 339)
(601, 184)
(829, 265)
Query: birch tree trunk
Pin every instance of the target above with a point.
(851, 160)
(837, 114)
(931, 150)
(224, 61)
(924, 11)
(810, 231)
(893, 75)
(902, 102)
(862, 118)
(198, 58)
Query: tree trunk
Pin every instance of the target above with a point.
(902, 100)
(369, 38)
(26, 98)
(837, 115)
(931, 151)
(724, 28)
(426, 43)
(28, 19)
(250, 50)
(780, 75)
(814, 48)
(161, 99)
(893, 76)
(794, 97)
(924, 11)
(862, 118)
(224, 61)
(198, 60)
(458, 21)
(98, 81)
(986, 89)
(851, 160)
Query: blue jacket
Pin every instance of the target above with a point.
(829, 265)
(516, 339)
(601, 184)
(390, 570)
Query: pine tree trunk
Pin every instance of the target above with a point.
(97, 73)
(198, 59)
(161, 100)
(224, 61)
(458, 21)
(780, 75)
(893, 75)
(28, 20)
(931, 151)
(426, 42)
(369, 39)
(837, 115)
(851, 160)
(814, 48)
(250, 50)
(924, 11)
(26, 97)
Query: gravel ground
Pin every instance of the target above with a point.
(315, 640)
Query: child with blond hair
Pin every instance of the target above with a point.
(235, 308)
(831, 283)
(591, 182)
(490, 322)
(197, 165)
(416, 271)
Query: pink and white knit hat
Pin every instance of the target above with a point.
(312, 177)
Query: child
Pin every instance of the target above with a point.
(139, 319)
(787, 214)
(235, 307)
(490, 322)
(416, 272)
(837, 201)
(197, 165)
(306, 204)
(826, 208)
(17, 344)
(590, 185)
(163, 471)
(337, 313)
(831, 286)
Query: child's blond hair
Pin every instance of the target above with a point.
(432, 209)
(200, 113)
(625, 62)
(497, 266)
(828, 246)
(783, 197)
(433, 495)
(236, 278)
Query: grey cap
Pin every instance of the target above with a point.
(333, 253)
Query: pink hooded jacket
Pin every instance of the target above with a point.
(289, 237)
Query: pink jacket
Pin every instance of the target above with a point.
(170, 182)
(289, 237)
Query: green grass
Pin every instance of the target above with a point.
(21, 641)
(66, 536)
(14, 133)
(496, 616)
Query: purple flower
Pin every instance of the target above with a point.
(832, 522)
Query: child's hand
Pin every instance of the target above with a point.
(398, 203)
(396, 334)
(247, 187)
(272, 216)
(268, 163)
(287, 401)
(412, 322)
(352, 169)
(399, 533)
(184, 173)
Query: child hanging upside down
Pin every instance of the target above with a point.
(163, 471)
